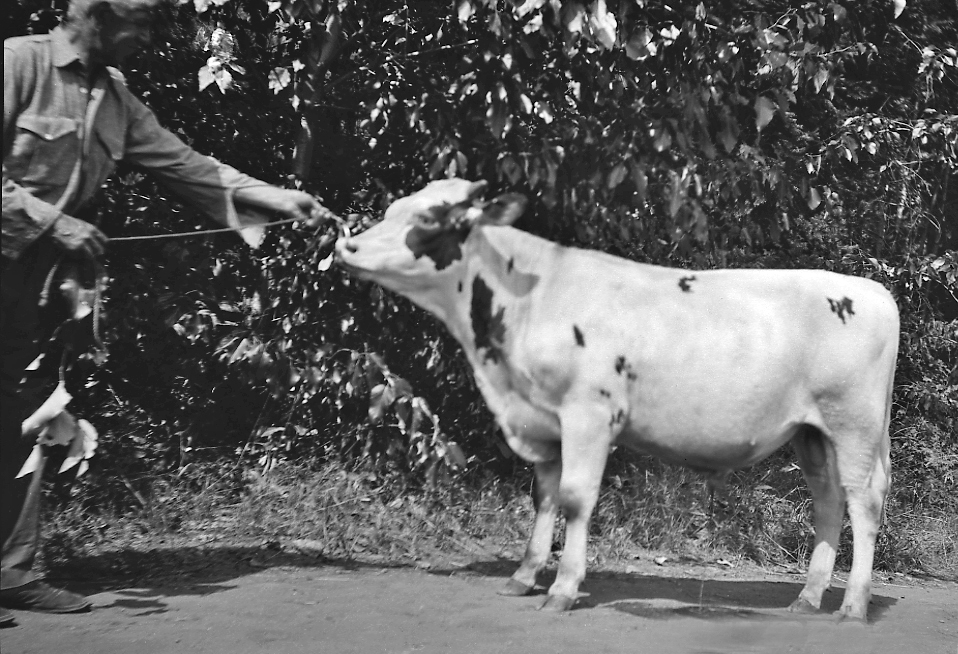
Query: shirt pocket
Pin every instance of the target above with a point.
(45, 150)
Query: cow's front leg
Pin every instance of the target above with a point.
(540, 544)
(585, 448)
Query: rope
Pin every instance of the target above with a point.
(98, 269)
(222, 230)
(204, 232)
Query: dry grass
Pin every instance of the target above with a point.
(335, 513)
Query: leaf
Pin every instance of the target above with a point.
(821, 76)
(728, 136)
(279, 79)
(640, 46)
(575, 18)
(401, 387)
(465, 11)
(678, 193)
(224, 79)
(603, 24)
(661, 139)
(240, 350)
(764, 111)
(641, 182)
(500, 120)
(205, 76)
(454, 452)
(544, 111)
(201, 5)
(839, 12)
(899, 7)
(511, 170)
(814, 198)
(616, 176)
(528, 7)
(377, 403)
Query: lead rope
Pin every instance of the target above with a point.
(100, 272)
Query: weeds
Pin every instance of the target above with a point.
(335, 512)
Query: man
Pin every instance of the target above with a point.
(67, 118)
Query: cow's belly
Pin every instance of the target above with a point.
(725, 436)
(708, 451)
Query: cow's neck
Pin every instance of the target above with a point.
(501, 267)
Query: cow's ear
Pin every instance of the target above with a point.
(476, 190)
(504, 210)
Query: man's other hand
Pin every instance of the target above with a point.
(78, 237)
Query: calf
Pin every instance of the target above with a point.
(576, 351)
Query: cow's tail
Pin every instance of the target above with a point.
(884, 447)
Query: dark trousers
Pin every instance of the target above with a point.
(22, 283)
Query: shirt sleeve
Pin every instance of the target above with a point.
(25, 217)
(201, 181)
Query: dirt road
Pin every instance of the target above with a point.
(335, 609)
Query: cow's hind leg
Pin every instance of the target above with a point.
(586, 437)
(866, 500)
(540, 544)
(816, 456)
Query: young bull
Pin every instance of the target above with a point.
(576, 351)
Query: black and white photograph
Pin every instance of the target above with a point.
(486, 326)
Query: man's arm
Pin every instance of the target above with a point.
(26, 218)
(205, 183)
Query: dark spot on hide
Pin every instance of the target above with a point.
(579, 338)
(684, 283)
(841, 308)
(512, 262)
(621, 365)
(604, 393)
(439, 243)
(460, 286)
(488, 328)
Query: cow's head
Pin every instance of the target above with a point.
(420, 240)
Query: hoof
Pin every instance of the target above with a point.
(557, 603)
(515, 588)
(802, 605)
(846, 617)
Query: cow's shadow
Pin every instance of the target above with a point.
(204, 571)
(664, 597)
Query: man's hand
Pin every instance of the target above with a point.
(78, 237)
(294, 204)
(297, 204)
(303, 206)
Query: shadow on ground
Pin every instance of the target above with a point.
(141, 578)
(665, 597)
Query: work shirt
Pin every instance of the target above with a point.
(64, 132)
